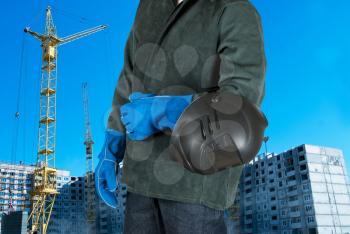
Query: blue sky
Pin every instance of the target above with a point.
(307, 98)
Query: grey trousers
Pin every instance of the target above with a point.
(144, 215)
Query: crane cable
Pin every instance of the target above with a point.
(16, 124)
(17, 116)
(82, 19)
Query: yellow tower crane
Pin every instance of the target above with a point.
(44, 189)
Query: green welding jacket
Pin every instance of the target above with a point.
(190, 48)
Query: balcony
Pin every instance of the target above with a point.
(248, 230)
(294, 203)
(292, 193)
(294, 214)
(248, 221)
(296, 225)
(247, 177)
(291, 173)
(275, 222)
(292, 182)
(248, 212)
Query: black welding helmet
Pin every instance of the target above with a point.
(218, 131)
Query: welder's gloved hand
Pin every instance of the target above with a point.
(147, 114)
(105, 173)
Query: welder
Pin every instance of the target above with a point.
(185, 115)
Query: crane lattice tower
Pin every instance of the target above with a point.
(44, 177)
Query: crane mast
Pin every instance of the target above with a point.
(44, 177)
(89, 178)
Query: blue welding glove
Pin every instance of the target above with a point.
(105, 173)
(147, 114)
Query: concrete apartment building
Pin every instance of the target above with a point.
(68, 214)
(302, 190)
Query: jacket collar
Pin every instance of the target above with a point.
(178, 10)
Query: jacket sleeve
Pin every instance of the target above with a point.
(124, 88)
(241, 52)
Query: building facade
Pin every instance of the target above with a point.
(68, 214)
(302, 190)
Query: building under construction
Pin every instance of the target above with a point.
(302, 190)
(68, 215)
(68, 211)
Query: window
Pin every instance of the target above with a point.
(302, 167)
(283, 202)
(306, 186)
(273, 198)
(291, 178)
(257, 182)
(310, 219)
(285, 222)
(307, 197)
(284, 212)
(278, 157)
(304, 177)
(272, 189)
(289, 162)
(280, 184)
(270, 172)
(273, 208)
(308, 208)
(279, 175)
(292, 188)
(300, 149)
(262, 164)
(274, 217)
(296, 220)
